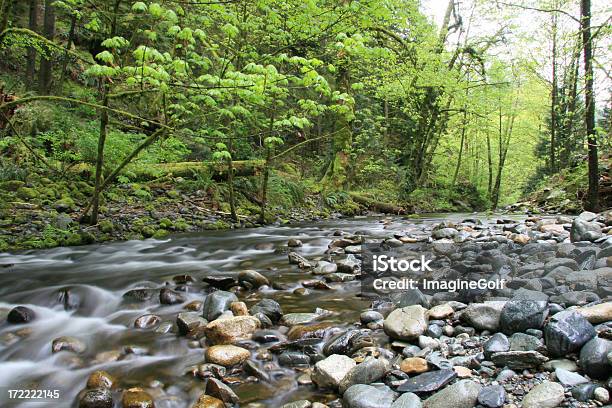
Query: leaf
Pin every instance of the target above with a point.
(105, 56)
(139, 7)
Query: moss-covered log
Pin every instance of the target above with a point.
(374, 205)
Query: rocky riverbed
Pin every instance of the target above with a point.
(274, 317)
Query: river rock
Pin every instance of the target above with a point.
(324, 268)
(206, 401)
(526, 342)
(519, 315)
(569, 379)
(298, 404)
(492, 396)
(188, 322)
(269, 308)
(293, 359)
(294, 243)
(518, 360)
(440, 312)
(227, 355)
(252, 279)
(368, 396)
(293, 319)
(414, 365)
(68, 343)
(370, 370)
(442, 233)
(136, 398)
(20, 314)
(100, 379)
(217, 389)
(597, 313)
(584, 392)
(545, 395)
(96, 398)
(567, 332)
(147, 321)
(406, 323)
(484, 316)
(231, 330)
(462, 394)
(497, 343)
(602, 395)
(407, 400)
(216, 303)
(584, 231)
(170, 297)
(594, 358)
(328, 373)
(428, 382)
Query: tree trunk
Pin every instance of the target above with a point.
(100, 158)
(264, 186)
(460, 148)
(46, 64)
(554, 93)
(71, 33)
(7, 5)
(592, 202)
(230, 181)
(490, 166)
(31, 63)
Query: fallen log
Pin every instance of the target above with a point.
(217, 171)
(378, 206)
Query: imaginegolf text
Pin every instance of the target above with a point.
(439, 285)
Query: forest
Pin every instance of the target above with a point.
(250, 112)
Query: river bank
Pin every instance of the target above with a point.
(274, 316)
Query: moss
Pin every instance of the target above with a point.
(26, 193)
(106, 226)
(165, 223)
(181, 225)
(73, 239)
(65, 204)
(160, 233)
(173, 194)
(12, 185)
(147, 231)
(217, 225)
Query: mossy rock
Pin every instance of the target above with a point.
(26, 193)
(64, 204)
(166, 223)
(181, 225)
(173, 194)
(12, 185)
(160, 234)
(147, 231)
(106, 226)
(73, 239)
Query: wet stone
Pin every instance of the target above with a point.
(594, 358)
(136, 398)
(518, 360)
(147, 321)
(68, 343)
(270, 308)
(545, 395)
(428, 382)
(462, 394)
(20, 314)
(216, 303)
(568, 378)
(96, 398)
(101, 380)
(189, 321)
(170, 297)
(217, 389)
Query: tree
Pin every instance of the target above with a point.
(592, 200)
(45, 77)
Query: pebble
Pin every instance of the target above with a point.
(545, 395)
(328, 373)
(227, 355)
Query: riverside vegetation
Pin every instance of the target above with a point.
(130, 119)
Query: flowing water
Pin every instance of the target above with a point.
(100, 274)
